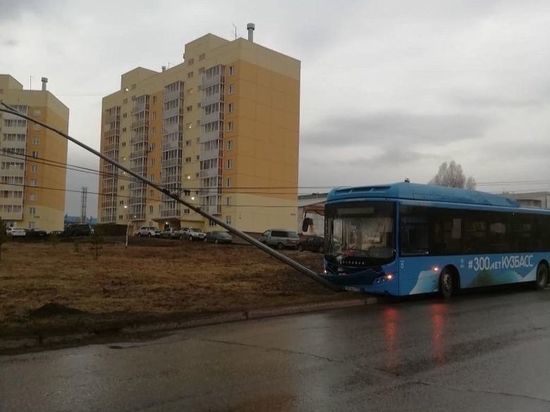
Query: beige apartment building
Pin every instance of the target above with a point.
(220, 129)
(30, 158)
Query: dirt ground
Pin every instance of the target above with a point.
(143, 283)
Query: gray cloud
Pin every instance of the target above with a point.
(396, 128)
(13, 10)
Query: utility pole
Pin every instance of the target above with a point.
(84, 199)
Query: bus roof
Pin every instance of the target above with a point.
(415, 191)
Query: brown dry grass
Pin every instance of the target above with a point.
(143, 282)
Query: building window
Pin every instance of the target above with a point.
(229, 126)
(189, 108)
(32, 197)
(190, 75)
(229, 145)
(201, 56)
(231, 89)
(35, 154)
(228, 220)
(188, 143)
(125, 115)
(32, 211)
(154, 99)
(191, 61)
(228, 182)
(211, 223)
(229, 164)
(121, 203)
(125, 101)
(186, 211)
(120, 217)
(121, 187)
(151, 209)
(228, 201)
(34, 168)
(231, 107)
(36, 141)
(33, 182)
(189, 125)
(187, 160)
(231, 70)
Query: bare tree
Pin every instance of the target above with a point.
(3, 236)
(451, 175)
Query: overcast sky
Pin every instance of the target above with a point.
(389, 89)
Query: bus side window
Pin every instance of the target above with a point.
(414, 232)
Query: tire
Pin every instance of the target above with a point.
(149, 235)
(280, 246)
(542, 277)
(301, 248)
(321, 249)
(216, 241)
(448, 284)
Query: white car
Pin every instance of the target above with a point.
(194, 234)
(148, 231)
(16, 232)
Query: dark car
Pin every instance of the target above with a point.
(35, 234)
(280, 238)
(312, 243)
(80, 229)
(218, 236)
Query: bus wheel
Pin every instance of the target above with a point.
(542, 276)
(448, 284)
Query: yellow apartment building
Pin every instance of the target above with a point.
(220, 129)
(30, 158)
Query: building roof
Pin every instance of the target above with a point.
(415, 191)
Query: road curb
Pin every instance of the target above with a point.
(42, 342)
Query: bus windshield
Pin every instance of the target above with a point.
(363, 229)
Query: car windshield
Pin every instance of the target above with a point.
(363, 229)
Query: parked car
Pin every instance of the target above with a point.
(280, 238)
(16, 231)
(170, 234)
(36, 234)
(218, 236)
(148, 231)
(312, 243)
(194, 234)
(78, 229)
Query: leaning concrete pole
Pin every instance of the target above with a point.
(277, 255)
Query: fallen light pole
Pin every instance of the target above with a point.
(277, 255)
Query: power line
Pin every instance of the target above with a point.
(145, 199)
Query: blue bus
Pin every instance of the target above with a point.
(406, 239)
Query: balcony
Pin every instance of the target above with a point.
(141, 123)
(170, 213)
(172, 145)
(171, 163)
(135, 154)
(208, 81)
(139, 138)
(175, 111)
(140, 106)
(173, 95)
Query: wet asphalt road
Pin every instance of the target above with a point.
(483, 352)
